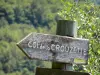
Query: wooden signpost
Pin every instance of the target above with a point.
(55, 48)
(63, 49)
(45, 71)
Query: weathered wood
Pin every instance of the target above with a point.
(45, 71)
(55, 48)
(65, 28)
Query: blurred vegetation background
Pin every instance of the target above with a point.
(20, 17)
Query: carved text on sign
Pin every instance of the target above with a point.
(55, 48)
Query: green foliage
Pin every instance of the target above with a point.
(87, 15)
(35, 12)
(21, 17)
(1, 72)
(12, 59)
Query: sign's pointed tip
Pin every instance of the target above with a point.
(18, 44)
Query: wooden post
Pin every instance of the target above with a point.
(65, 28)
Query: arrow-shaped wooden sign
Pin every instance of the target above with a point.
(55, 48)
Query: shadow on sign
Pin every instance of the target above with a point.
(45, 71)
